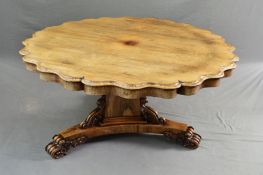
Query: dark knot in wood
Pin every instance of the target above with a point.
(130, 42)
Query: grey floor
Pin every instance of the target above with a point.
(229, 118)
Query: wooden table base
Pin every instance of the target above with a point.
(116, 115)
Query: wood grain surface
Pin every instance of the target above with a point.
(129, 57)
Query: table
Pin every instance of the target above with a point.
(125, 60)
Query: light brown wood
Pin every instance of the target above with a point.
(76, 135)
(126, 59)
(122, 127)
(107, 119)
(129, 57)
(117, 106)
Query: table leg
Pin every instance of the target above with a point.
(129, 116)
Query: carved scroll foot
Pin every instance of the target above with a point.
(115, 115)
(59, 147)
(76, 135)
(188, 138)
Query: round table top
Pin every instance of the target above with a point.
(129, 57)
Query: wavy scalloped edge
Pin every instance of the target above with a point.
(129, 90)
(127, 93)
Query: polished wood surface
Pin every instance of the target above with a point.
(124, 60)
(117, 106)
(106, 119)
(129, 57)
